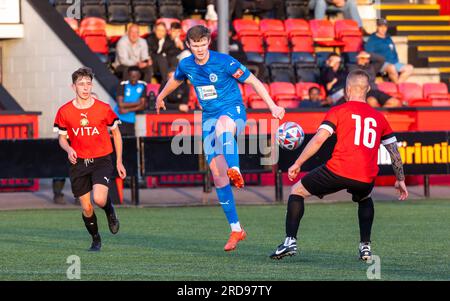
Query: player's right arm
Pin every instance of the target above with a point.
(311, 148)
(71, 153)
(172, 85)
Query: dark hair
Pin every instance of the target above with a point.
(312, 89)
(333, 54)
(160, 24)
(198, 32)
(82, 72)
(133, 68)
(175, 25)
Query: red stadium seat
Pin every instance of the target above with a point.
(283, 91)
(288, 104)
(258, 104)
(277, 44)
(323, 33)
(188, 23)
(436, 91)
(302, 90)
(346, 28)
(297, 27)
(244, 27)
(73, 23)
(272, 28)
(252, 44)
(251, 94)
(440, 102)
(153, 88)
(97, 43)
(419, 103)
(92, 23)
(212, 26)
(167, 21)
(390, 88)
(302, 44)
(410, 91)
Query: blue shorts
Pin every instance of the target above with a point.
(398, 66)
(209, 120)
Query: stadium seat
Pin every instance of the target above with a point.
(272, 28)
(73, 23)
(92, 24)
(253, 48)
(305, 58)
(167, 21)
(323, 33)
(62, 7)
(276, 57)
(410, 91)
(302, 90)
(440, 103)
(244, 27)
(346, 28)
(297, 8)
(436, 91)
(251, 94)
(144, 11)
(277, 44)
(170, 9)
(281, 73)
(419, 103)
(302, 44)
(297, 27)
(306, 72)
(283, 91)
(188, 23)
(97, 42)
(93, 8)
(212, 26)
(118, 11)
(153, 88)
(390, 88)
(258, 104)
(288, 104)
(194, 6)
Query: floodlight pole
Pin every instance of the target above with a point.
(223, 26)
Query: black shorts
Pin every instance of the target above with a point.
(87, 172)
(322, 181)
(380, 96)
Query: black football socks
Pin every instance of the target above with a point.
(366, 214)
(295, 210)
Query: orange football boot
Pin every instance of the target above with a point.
(235, 237)
(235, 177)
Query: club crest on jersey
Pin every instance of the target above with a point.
(213, 77)
(84, 121)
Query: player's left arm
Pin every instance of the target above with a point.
(118, 145)
(397, 166)
(277, 111)
(310, 150)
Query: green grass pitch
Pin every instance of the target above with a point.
(412, 239)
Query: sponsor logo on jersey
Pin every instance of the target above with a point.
(239, 72)
(84, 121)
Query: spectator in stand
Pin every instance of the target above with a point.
(372, 63)
(333, 77)
(178, 99)
(348, 7)
(130, 98)
(381, 43)
(132, 50)
(175, 36)
(314, 99)
(162, 50)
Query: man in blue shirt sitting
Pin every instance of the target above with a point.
(130, 97)
(381, 43)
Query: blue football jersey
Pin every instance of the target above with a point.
(214, 82)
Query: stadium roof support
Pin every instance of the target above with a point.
(223, 26)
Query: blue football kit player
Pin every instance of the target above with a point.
(214, 76)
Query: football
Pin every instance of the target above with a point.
(290, 135)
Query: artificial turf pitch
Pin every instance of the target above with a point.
(412, 239)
